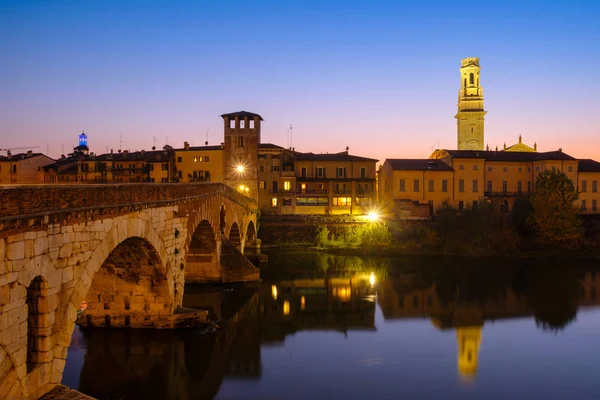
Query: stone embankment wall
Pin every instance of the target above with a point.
(284, 229)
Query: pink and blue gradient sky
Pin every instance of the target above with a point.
(378, 76)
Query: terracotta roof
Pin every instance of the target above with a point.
(201, 148)
(589, 165)
(242, 114)
(343, 156)
(515, 156)
(418, 164)
(20, 156)
(269, 146)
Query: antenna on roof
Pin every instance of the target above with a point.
(206, 143)
(120, 141)
(291, 142)
(154, 142)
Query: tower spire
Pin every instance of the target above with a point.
(470, 114)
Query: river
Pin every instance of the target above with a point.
(327, 327)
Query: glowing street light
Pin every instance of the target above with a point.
(372, 279)
(373, 216)
(240, 169)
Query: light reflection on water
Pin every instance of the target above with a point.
(320, 329)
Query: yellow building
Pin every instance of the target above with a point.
(199, 164)
(336, 183)
(470, 177)
(587, 182)
(404, 184)
(276, 174)
(23, 168)
(122, 167)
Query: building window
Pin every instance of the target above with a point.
(363, 172)
(179, 159)
(320, 172)
(180, 174)
(520, 187)
(584, 186)
(475, 186)
(206, 159)
(505, 169)
(274, 202)
(461, 185)
(163, 180)
(275, 157)
(430, 188)
(583, 205)
(416, 185)
(286, 185)
(262, 184)
(341, 172)
(14, 169)
(570, 168)
(402, 185)
(303, 172)
(342, 201)
(287, 202)
(489, 169)
(529, 186)
(462, 167)
(275, 187)
(593, 205)
(444, 185)
(594, 186)
(363, 201)
(165, 167)
(520, 169)
(274, 168)
(475, 167)
(261, 168)
(489, 186)
(471, 79)
(504, 186)
(240, 141)
(303, 187)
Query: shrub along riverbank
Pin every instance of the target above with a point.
(546, 222)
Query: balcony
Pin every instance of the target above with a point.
(288, 173)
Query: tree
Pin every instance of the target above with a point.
(554, 217)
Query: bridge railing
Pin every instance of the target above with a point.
(35, 201)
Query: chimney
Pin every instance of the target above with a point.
(29, 153)
(560, 149)
(186, 146)
(8, 154)
(111, 151)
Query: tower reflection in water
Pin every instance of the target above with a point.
(466, 298)
(194, 364)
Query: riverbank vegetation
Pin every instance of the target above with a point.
(546, 221)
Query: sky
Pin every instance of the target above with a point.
(380, 77)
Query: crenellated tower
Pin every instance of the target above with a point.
(242, 138)
(470, 115)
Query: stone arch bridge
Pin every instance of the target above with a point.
(123, 251)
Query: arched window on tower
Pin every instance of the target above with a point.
(465, 82)
(471, 79)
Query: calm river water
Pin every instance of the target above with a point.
(329, 327)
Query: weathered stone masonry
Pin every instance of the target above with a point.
(122, 248)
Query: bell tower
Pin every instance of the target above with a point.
(469, 341)
(240, 158)
(470, 115)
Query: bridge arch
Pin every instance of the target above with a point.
(129, 289)
(250, 232)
